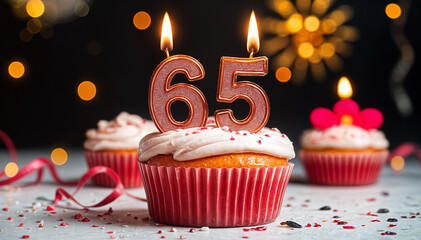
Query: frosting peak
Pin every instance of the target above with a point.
(344, 137)
(122, 133)
(200, 142)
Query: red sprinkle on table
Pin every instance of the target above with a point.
(25, 236)
(110, 210)
(64, 224)
(94, 225)
(371, 199)
(5, 209)
(375, 220)
(348, 227)
(159, 232)
(308, 225)
(86, 220)
(49, 208)
(317, 225)
(337, 220)
(373, 215)
(41, 225)
(110, 232)
(61, 219)
(162, 236)
(78, 216)
(192, 230)
(342, 223)
(109, 223)
(392, 225)
(335, 210)
(21, 225)
(21, 215)
(10, 218)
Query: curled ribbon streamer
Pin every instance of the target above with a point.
(38, 164)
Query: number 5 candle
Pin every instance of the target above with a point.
(162, 94)
(229, 89)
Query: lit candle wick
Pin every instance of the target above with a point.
(167, 52)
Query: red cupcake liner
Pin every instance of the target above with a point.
(214, 197)
(346, 169)
(124, 164)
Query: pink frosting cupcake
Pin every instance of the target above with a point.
(215, 177)
(114, 145)
(345, 148)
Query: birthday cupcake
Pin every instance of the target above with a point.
(215, 177)
(345, 148)
(114, 145)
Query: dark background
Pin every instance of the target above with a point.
(43, 109)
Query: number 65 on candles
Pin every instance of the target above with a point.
(162, 94)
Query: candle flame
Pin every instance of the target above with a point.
(166, 34)
(253, 44)
(344, 88)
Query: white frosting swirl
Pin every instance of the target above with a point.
(344, 137)
(195, 143)
(122, 133)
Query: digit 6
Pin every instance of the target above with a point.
(160, 106)
(229, 90)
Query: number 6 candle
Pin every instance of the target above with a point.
(229, 89)
(162, 94)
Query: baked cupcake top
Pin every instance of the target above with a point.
(346, 127)
(122, 133)
(200, 142)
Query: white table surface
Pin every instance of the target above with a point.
(301, 204)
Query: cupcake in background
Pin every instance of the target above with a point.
(345, 148)
(114, 145)
(215, 177)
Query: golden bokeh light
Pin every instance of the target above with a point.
(393, 10)
(305, 50)
(283, 74)
(25, 35)
(16, 69)
(81, 9)
(142, 20)
(59, 156)
(11, 169)
(86, 90)
(327, 50)
(295, 23)
(311, 23)
(35, 8)
(34, 26)
(397, 163)
(344, 88)
(308, 36)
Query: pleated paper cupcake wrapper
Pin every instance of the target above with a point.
(214, 197)
(124, 164)
(345, 169)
